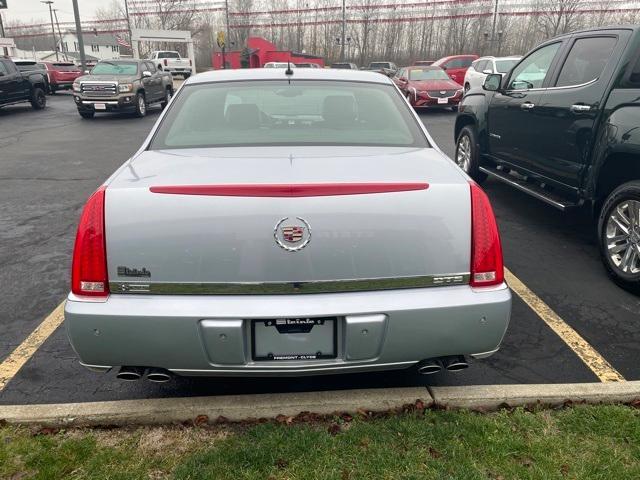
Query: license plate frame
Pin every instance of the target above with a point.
(100, 106)
(295, 327)
(443, 101)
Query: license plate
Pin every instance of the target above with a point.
(443, 100)
(283, 339)
(100, 106)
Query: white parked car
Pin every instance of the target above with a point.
(483, 66)
(279, 65)
(171, 61)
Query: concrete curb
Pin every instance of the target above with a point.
(245, 407)
(491, 397)
(231, 407)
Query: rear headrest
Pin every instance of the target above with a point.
(339, 109)
(243, 116)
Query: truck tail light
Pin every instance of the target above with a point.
(190, 63)
(89, 269)
(166, 62)
(486, 251)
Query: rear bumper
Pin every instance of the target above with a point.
(211, 335)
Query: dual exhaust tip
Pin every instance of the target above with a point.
(452, 363)
(156, 375)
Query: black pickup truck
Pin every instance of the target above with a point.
(18, 87)
(564, 126)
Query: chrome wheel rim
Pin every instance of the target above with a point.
(463, 154)
(622, 237)
(141, 105)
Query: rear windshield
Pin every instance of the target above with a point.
(168, 55)
(120, 68)
(503, 66)
(264, 113)
(431, 74)
(65, 67)
(342, 65)
(379, 65)
(28, 66)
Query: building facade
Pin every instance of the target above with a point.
(101, 46)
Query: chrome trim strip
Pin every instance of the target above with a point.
(289, 288)
(523, 188)
(564, 87)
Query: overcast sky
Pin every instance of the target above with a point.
(33, 9)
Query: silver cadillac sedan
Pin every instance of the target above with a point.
(286, 222)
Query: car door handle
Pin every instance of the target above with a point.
(579, 108)
(527, 105)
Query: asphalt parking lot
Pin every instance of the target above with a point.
(51, 161)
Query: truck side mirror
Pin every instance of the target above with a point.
(492, 82)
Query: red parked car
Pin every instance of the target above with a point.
(428, 87)
(61, 75)
(456, 66)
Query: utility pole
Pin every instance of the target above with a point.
(76, 15)
(53, 29)
(126, 11)
(493, 27)
(226, 15)
(64, 55)
(1, 27)
(344, 28)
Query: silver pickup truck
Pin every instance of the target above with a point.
(122, 85)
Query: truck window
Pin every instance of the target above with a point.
(3, 69)
(532, 71)
(586, 60)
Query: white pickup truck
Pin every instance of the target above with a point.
(171, 62)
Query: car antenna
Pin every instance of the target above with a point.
(288, 72)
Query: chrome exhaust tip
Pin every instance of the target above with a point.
(158, 375)
(130, 373)
(455, 363)
(427, 367)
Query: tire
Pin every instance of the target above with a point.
(141, 105)
(86, 114)
(454, 108)
(620, 249)
(53, 90)
(469, 161)
(38, 99)
(167, 96)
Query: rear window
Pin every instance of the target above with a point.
(65, 67)
(168, 55)
(503, 66)
(379, 65)
(264, 113)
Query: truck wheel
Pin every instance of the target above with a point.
(168, 93)
(141, 105)
(86, 113)
(619, 235)
(38, 99)
(468, 153)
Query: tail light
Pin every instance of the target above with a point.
(486, 251)
(89, 269)
(166, 62)
(190, 63)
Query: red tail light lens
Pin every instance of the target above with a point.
(486, 251)
(89, 270)
(166, 62)
(190, 63)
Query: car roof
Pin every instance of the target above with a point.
(423, 67)
(248, 74)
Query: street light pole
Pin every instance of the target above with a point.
(53, 28)
(344, 27)
(64, 55)
(493, 27)
(226, 15)
(76, 15)
(126, 11)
